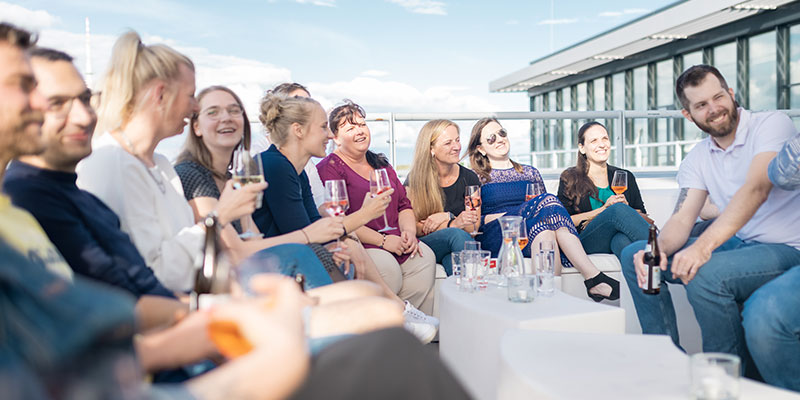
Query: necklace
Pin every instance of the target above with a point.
(156, 178)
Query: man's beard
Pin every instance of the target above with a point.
(725, 130)
(22, 142)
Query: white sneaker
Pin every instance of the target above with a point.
(424, 332)
(412, 314)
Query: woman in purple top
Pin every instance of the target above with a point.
(406, 264)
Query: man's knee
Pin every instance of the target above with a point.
(626, 258)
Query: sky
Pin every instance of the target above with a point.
(387, 55)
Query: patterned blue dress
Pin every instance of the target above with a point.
(505, 193)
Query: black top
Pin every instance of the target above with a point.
(288, 203)
(198, 181)
(83, 229)
(454, 194)
(632, 195)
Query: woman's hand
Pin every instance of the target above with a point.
(341, 256)
(394, 244)
(466, 220)
(410, 243)
(325, 229)
(374, 207)
(434, 221)
(617, 198)
(237, 203)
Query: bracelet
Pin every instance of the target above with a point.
(450, 222)
(308, 241)
(383, 241)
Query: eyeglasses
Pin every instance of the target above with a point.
(215, 113)
(61, 106)
(493, 137)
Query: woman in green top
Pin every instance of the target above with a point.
(607, 222)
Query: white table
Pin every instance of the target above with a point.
(569, 365)
(472, 325)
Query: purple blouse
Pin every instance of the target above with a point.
(332, 167)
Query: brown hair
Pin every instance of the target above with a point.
(479, 162)
(16, 37)
(423, 180)
(348, 112)
(575, 180)
(194, 149)
(286, 88)
(694, 76)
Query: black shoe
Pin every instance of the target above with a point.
(602, 278)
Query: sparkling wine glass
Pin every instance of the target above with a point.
(246, 169)
(336, 201)
(378, 183)
(619, 184)
(530, 191)
(522, 239)
(472, 201)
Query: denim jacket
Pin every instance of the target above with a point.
(784, 170)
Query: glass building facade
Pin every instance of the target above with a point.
(762, 68)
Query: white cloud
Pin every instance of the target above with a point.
(375, 73)
(323, 3)
(562, 21)
(34, 20)
(627, 11)
(422, 6)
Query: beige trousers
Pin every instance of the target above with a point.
(412, 280)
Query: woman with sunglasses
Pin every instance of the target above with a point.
(607, 222)
(504, 192)
(436, 185)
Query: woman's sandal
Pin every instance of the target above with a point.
(602, 278)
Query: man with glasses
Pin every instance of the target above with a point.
(755, 238)
(83, 228)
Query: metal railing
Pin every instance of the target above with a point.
(621, 118)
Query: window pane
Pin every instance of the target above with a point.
(600, 94)
(763, 76)
(640, 88)
(725, 61)
(691, 59)
(664, 86)
(582, 97)
(618, 86)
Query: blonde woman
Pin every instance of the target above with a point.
(436, 186)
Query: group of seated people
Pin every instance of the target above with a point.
(108, 207)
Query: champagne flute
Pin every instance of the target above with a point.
(472, 200)
(619, 184)
(379, 183)
(522, 239)
(247, 169)
(336, 201)
(530, 191)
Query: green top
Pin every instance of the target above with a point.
(603, 194)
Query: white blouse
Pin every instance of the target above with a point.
(151, 207)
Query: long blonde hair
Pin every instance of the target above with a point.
(133, 65)
(425, 192)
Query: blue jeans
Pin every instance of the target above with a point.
(613, 229)
(286, 259)
(446, 241)
(772, 329)
(736, 269)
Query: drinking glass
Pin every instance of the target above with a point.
(246, 169)
(472, 201)
(530, 191)
(336, 202)
(545, 268)
(378, 183)
(485, 256)
(619, 184)
(470, 260)
(455, 257)
(521, 288)
(522, 239)
(714, 376)
(472, 245)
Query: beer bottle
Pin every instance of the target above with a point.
(652, 258)
(212, 281)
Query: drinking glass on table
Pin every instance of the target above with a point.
(246, 169)
(619, 184)
(455, 257)
(714, 376)
(545, 269)
(336, 202)
(378, 183)
(472, 201)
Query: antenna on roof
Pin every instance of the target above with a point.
(88, 43)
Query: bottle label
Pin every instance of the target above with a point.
(656, 277)
(648, 248)
(206, 301)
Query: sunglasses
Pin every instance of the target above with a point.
(493, 137)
